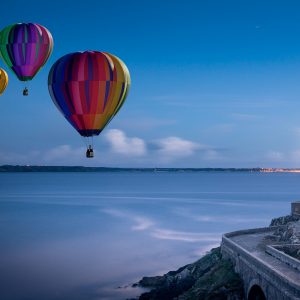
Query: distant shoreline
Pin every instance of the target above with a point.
(29, 168)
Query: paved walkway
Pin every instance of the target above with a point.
(255, 243)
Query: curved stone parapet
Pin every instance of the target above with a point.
(291, 261)
(250, 231)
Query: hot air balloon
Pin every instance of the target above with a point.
(3, 81)
(89, 88)
(25, 48)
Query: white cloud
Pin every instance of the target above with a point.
(172, 147)
(63, 153)
(122, 144)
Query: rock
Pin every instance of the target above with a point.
(211, 277)
(151, 281)
(220, 282)
(283, 220)
(288, 233)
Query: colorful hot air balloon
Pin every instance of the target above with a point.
(25, 48)
(89, 88)
(3, 81)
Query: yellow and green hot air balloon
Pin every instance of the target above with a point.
(3, 81)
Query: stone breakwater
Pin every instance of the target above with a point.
(224, 272)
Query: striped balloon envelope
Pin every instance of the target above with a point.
(25, 48)
(3, 81)
(89, 88)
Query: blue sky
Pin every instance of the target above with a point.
(214, 84)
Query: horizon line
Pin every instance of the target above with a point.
(33, 168)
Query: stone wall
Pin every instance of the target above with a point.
(277, 252)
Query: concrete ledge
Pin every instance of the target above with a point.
(275, 251)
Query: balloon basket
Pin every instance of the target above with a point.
(25, 92)
(90, 152)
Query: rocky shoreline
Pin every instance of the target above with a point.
(211, 277)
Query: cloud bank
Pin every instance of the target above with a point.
(119, 149)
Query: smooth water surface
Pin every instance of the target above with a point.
(76, 236)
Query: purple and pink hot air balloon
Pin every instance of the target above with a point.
(25, 48)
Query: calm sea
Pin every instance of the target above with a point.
(76, 236)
